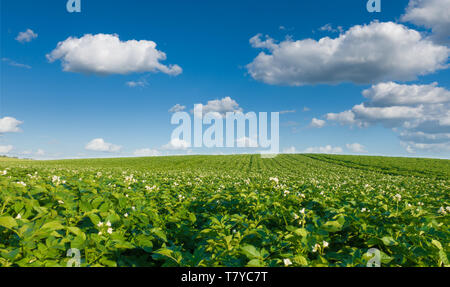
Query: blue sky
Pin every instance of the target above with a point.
(60, 112)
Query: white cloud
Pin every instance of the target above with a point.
(39, 152)
(176, 144)
(329, 28)
(177, 108)
(247, 142)
(287, 112)
(363, 54)
(325, 149)
(419, 113)
(5, 149)
(222, 106)
(106, 54)
(423, 137)
(410, 150)
(392, 94)
(15, 64)
(135, 84)
(345, 118)
(432, 14)
(390, 116)
(411, 147)
(291, 149)
(356, 148)
(100, 145)
(9, 125)
(268, 43)
(146, 152)
(27, 36)
(317, 123)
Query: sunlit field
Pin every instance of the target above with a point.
(239, 210)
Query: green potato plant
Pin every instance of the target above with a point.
(238, 210)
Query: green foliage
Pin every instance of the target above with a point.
(241, 210)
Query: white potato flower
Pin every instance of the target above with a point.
(275, 179)
(316, 247)
(442, 210)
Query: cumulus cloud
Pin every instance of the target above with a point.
(420, 114)
(345, 118)
(221, 107)
(176, 144)
(412, 147)
(9, 125)
(432, 14)
(356, 148)
(40, 152)
(410, 150)
(267, 43)
(146, 152)
(329, 28)
(27, 36)
(317, 123)
(363, 54)
(105, 54)
(392, 94)
(177, 108)
(5, 149)
(325, 149)
(100, 145)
